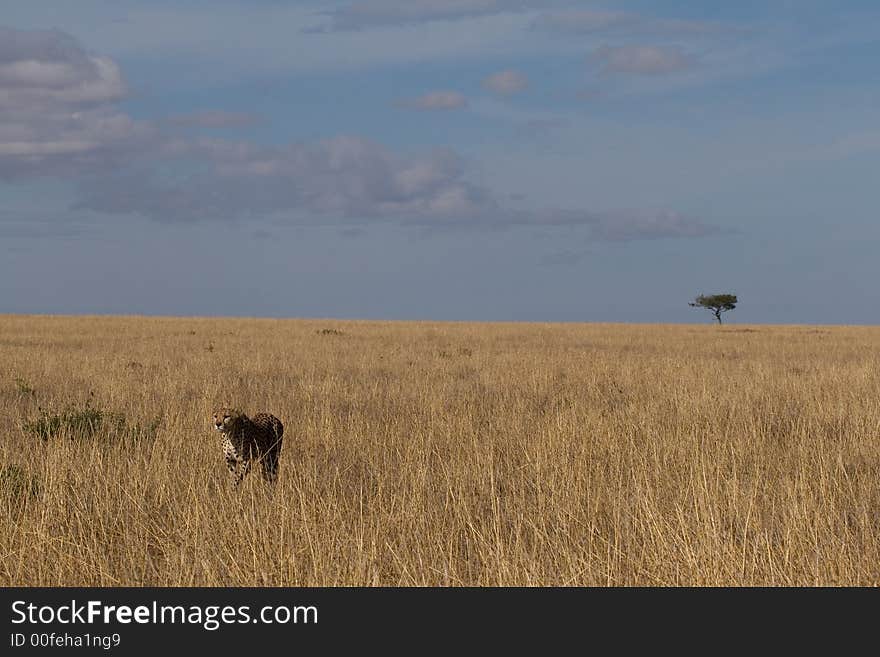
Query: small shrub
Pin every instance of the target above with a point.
(45, 426)
(89, 422)
(329, 331)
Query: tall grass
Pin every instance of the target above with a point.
(441, 454)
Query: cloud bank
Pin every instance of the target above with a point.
(385, 13)
(506, 83)
(641, 60)
(59, 116)
(589, 21)
(343, 177)
(350, 180)
(58, 106)
(436, 100)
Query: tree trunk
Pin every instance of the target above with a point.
(718, 316)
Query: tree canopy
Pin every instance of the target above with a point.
(716, 303)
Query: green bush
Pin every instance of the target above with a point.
(89, 422)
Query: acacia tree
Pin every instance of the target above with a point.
(717, 303)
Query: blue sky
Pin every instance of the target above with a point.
(441, 159)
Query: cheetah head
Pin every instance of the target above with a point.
(225, 418)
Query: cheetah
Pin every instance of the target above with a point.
(245, 439)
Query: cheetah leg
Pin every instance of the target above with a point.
(232, 466)
(270, 461)
(242, 472)
(270, 466)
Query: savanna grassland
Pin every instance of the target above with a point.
(440, 453)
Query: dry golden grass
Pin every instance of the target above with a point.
(444, 454)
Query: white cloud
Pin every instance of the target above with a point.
(436, 100)
(588, 21)
(343, 177)
(506, 82)
(49, 67)
(57, 106)
(641, 60)
(347, 180)
(378, 13)
(197, 43)
(583, 21)
(59, 117)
